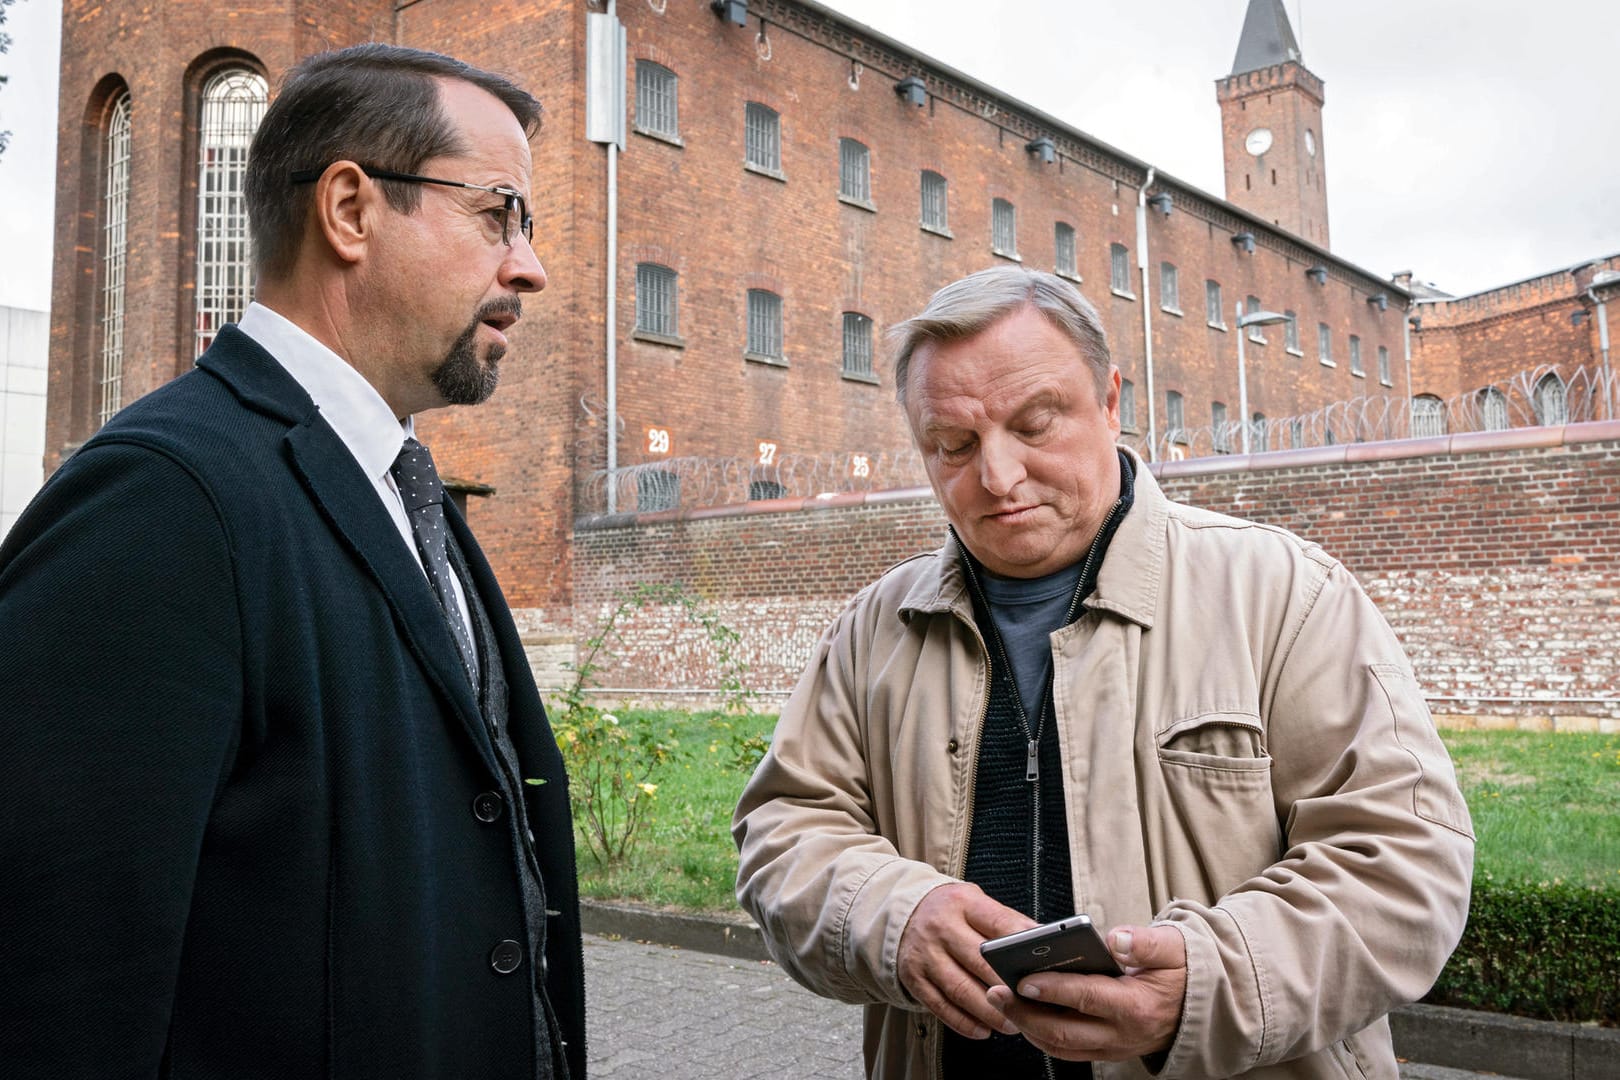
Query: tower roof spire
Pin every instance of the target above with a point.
(1268, 38)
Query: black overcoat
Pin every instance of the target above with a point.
(238, 761)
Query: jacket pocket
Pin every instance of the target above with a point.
(1221, 825)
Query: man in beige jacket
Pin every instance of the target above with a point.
(1195, 729)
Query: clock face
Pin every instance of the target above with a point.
(1310, 142)
(1258, 142)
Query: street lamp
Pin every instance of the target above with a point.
(1253, 318)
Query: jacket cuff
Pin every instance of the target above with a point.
(879, 911)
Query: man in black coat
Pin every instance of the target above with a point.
(279, 796)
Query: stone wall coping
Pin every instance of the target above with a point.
(1467, 442)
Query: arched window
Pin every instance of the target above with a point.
(1551, 407)
(1493, 409)
(114, 251)
(1428, 416)
(233, 102)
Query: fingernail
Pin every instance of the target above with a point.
(980, 1033)
(1009, 1028)
(1122, 942)
(1033, 992)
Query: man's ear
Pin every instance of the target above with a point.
(346, 208)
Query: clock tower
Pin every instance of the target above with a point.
(1271, 125)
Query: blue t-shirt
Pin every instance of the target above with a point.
(1026, 612)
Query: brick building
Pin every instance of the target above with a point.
(789, 184)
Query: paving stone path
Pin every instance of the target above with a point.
(672, 1014)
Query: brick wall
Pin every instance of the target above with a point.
(1495, 557)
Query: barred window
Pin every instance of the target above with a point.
(1551, 406)
(1175, 417)
(1493, 409)
(1212, 304)
(762, 130)
(657, 109)
(1119, 268)
(854, 171)
(1063, 241)
(1291, 332)
(857, 344)
(1217, 423)
(1252, 305)
(1428, 416)
(1127, 405)
(1003, 228)
(1324, 344)
(1259, 434)
(1169, 287)
(1355, 356)
(934, 210)
(655, 299)
(764, 324)
(114, 250)
(233, 102)
(1383, 366)
(1296, 434)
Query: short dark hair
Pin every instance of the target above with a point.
(373, 104)
(967, 306)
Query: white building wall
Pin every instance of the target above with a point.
(24, 349)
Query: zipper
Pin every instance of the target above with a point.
(958, 865)
(1032, 772)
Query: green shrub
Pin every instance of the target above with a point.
(613, 767)
(1548, 950)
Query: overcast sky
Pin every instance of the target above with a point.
(1472, 142)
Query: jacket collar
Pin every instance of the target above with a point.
(348, 501)
(1127, 584)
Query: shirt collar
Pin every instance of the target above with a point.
(350, 404)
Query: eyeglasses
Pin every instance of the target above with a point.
(514, 200)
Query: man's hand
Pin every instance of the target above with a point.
(1104, 1017)
(939, 961)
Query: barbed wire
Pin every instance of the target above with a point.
(1536, 397)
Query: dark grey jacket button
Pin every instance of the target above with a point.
(488, 807)
(506, 957)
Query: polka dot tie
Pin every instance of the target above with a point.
(423, 495)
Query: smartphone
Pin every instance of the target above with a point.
(1071, 944)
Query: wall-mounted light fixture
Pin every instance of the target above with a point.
(1416, 321)
(1578, 316)
(1044, 148)
(1162, 202)
(1379, 301)
(732, 11)
(1245, 242)
(913, 90)
(1318, 274)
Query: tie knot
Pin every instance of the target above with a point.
(416, 477)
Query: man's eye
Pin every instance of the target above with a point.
(955, 450)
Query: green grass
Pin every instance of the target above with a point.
(684, 856)
(1546, 808)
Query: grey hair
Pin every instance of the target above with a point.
(967, 306)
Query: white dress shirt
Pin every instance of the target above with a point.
(353, 408)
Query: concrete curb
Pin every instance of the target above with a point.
(1510, 1046)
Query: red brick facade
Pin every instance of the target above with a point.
(1495, 557)
(1282, 178)
(688, 203)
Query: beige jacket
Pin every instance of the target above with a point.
(1247, 758)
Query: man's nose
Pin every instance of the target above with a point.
(521, 270)
(1001, 465)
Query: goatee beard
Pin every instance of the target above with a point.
(461, 378)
